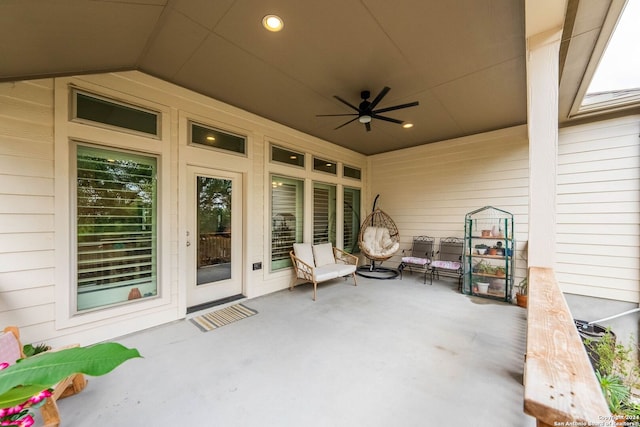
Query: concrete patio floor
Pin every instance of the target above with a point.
(384, 353)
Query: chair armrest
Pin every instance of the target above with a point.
(344, 257)
(303, 270)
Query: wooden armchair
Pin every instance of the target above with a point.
(11, 349)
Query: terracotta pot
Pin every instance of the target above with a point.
(521, 300)
(493, 251)
(486, 233)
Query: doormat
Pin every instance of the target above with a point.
(216, 319)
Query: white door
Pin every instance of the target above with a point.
(214, 236)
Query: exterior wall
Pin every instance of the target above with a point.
(35, 188)
(598, 210)
(427, 190)
(27, 286)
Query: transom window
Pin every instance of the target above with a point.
(115, 114)
(351, 172)
(282, 155)
(328, 166)
(217, 139)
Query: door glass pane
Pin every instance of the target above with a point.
(214, 229)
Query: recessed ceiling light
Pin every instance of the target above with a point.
(328, 165)
(273, 23)
(211, 138)
(407, 125)
(293, 157)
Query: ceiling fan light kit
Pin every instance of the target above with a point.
(366, 112)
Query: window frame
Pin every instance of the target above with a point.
(67, 132)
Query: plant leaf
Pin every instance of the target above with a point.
(18, 395)
(48, 368)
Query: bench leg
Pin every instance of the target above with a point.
(315, 286)
(354, 279)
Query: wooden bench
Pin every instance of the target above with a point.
(560, 386)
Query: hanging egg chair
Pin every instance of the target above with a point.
(379, 240)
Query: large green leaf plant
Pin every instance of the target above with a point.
(27, 383)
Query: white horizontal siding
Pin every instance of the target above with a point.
(26, 203)
(428, 190)
(598, 209)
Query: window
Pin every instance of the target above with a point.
(96, 109)
(351, 172)
(287, 200)
(351, 219)
(327, 166)
(324, 213)
(210, 137)
(612, 78)
(116, 234)
(282, 155)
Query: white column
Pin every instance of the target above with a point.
(542, 103)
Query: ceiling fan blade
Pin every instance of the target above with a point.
(397, 107)
(346, 103)
(336, 115)
(378, 98)
(368, 126)
(344, 124)
(387, 119)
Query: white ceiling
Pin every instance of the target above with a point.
(463, 60)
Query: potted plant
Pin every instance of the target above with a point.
(481, 248)
(522, 292)
(500, 271)
(483, 268)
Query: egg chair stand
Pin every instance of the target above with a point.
(379, 240)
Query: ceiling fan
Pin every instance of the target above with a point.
(366, 110)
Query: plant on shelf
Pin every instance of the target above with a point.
(483, 267)
(500, 271)
(481, 248)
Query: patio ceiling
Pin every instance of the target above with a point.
(463, 61)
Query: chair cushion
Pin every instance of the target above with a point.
(323, 254)
(326, 272)
(415, 260)
(447, 265)
(376, 241)
(304, 252)
(345, 269)
(9, 348)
